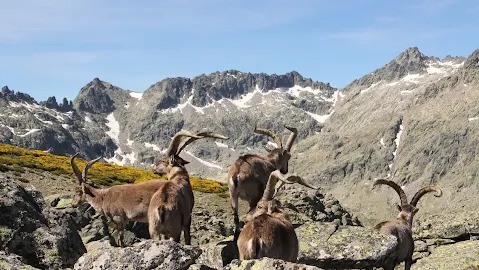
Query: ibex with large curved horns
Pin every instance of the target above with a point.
(248, 175)
(401, 227)
(119, 204)
(170, 207)
(268, 231)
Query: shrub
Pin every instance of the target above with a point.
(101, 174)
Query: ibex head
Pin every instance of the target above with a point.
(84, 189)
(408, 210)
(282, 153)
(177, 144)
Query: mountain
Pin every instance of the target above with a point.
(130, 128)
(414, 120)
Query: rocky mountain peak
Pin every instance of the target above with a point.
(52, 103)
(472, 62)
(410, 55)
(10, 95)
(411, 61)
(96, 97)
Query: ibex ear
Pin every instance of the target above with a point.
(414, 211)
(398, 207)
(87, 190)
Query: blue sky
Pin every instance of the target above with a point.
(54, 47)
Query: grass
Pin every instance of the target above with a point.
(16, 159)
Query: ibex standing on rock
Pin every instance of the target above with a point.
(119, 204)
(248, 175)
(268, 231)
(401, 227)
(170, 208)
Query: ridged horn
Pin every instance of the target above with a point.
(269, 133)
(82, 176)
(396, 187)
(269, 191)
(291, 138)
(299, 180)
(75, 169)
(423, 191)
(88, 165)
(201, 135)
(176, 140)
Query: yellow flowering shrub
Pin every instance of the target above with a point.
(13, 158)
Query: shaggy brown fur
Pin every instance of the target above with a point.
(119, 204)
(268, 231)
(248, 175)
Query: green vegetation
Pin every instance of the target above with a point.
(16, 159)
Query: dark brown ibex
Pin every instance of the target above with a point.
(170, 208)
(401, 227)
(248, 175)
(268, 231)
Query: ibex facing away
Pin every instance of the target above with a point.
(268, 231)
(119, 204)
(248, 175)
(401, 227)
(170, 208)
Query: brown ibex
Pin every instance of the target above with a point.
(248, 175)
(268, 231)
(170, 208)
(401, 227)
(119, 204)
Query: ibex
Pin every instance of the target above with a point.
(119, 204)
(268, 231)
(401, 227)
(248, 175)
(170, 208)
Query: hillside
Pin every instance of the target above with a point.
(415, 120)
(39, 168)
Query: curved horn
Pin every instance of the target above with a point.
(175, 142)
(204, 134)
(423, 191)
(269, 133)
(88, 165)
(75, 169)
(269, 191)
(299, 180)
(395, 186)
(291, 138)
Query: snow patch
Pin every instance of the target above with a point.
(220, 144)
(209, 164)
(136, 95)
(473, 118)
(398, 139)
(65, 126)
(392, 84)
(320, 118)
(406, 92)
(10, 128)
(114, 127)
(370, 87)
(382, 142)
(412, 78)
(88, 119)
(154, 146)
(129, 142)
(183, 105)
(124, 158)
(30, 131)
